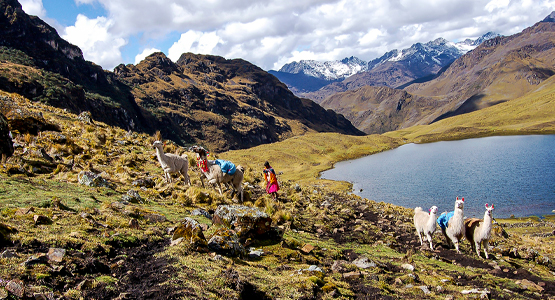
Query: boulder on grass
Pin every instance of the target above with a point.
(244, 220)
(224, 241)
(191, 232)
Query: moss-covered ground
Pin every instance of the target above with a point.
(325, 229)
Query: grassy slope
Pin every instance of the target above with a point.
(123, 157)
(302, 158)
(533, 113)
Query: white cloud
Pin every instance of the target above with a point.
(33, 7)
(271, 32)
(145, 53)
(496, 4)
(371, 37)
(94, 37)
(196, 42)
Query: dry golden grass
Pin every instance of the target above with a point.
(533, 113)
(301, 159)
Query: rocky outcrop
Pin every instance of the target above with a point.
(244, 220)
(224, 104)
(190, 232)
(226, 242)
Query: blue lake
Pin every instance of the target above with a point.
(515, 173)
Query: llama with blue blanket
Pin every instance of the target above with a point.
(452, 224)
(219, 171)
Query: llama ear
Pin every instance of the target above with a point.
(457, 197)
(486, 205)
(492, 206)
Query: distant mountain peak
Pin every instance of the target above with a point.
(439, 51)
(550, 18)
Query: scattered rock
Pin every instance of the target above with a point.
(86, 284)
(314, 268)
(408, 267)
(42, 220)
(91, 220)
(176, 242)
(191, 233)
(364, 263)
(325, 204)
(201, 212)
(352, 275)
(56, 254)
(94, 180)
(244, 220)
(24, 211)
(307, 248)
(144, 182)
(117, 205)
(483, 293)
(425, 289)
(338, 266)
(16, 287)
(155, 218)
(132, 196)
(527, 284)
(226, 242)
(85, 117)
(254, 253)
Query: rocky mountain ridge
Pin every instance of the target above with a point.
(221, 104)
(500, 69)
(421, 59)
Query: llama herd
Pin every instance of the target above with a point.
(216, 171)
(454, 226)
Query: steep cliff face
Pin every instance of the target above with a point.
(223, 104)
(37, 63)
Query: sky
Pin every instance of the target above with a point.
(271, 33)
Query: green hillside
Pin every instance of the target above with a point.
(533, 113)
(328, 244)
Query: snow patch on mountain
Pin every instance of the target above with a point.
(439, 51)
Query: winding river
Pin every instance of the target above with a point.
(515, 173)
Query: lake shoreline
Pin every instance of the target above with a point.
(526, 186)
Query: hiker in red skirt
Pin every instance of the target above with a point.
(272, 185)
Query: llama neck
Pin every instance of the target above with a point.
(487, 221)
(431, 219)
(160, 155)
(458, 213)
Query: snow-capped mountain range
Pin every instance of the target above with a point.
(439, 51)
